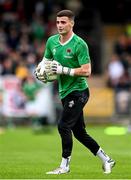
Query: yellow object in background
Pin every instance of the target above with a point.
(101, 103)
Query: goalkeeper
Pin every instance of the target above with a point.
(67, 57)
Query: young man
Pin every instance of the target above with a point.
(72, 65)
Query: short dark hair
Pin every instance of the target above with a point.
(67, 13)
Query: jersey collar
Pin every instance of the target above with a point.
(67, 40)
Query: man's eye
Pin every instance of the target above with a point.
(60, 22)
(63, 22)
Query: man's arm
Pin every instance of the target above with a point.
(84, 70)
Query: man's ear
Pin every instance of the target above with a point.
(72, 22)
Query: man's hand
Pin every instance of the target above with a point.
(40, 68)
(57, 68)
(40, 72)
(39, 76)
(43, 72)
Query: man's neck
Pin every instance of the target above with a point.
(66, 37)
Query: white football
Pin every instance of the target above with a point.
(44, 72)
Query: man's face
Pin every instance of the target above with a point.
(64, 25)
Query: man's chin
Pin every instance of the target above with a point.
(62, 33)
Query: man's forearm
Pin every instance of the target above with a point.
(84, 70)
(81, 72)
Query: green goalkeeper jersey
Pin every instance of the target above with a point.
(72, 54)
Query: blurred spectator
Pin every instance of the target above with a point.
(38, 28)
(125, 81)
(39, 105)
(2, 35)
(31, 62)
(13, 38)
(115, 71)
(3, 45)
(39, 47)
(20, 10)
(4, 50)
(31, 87)
(7, 68)
(24, 47)
(119, 70)
(120, 46)
(122, 102)
(21, 70)
(15, 56)
(25, 29)
(39, 8)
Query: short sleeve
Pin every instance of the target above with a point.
(82, 53)
(48, 54)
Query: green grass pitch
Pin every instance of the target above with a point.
(26, 155)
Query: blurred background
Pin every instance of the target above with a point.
(24, 29)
